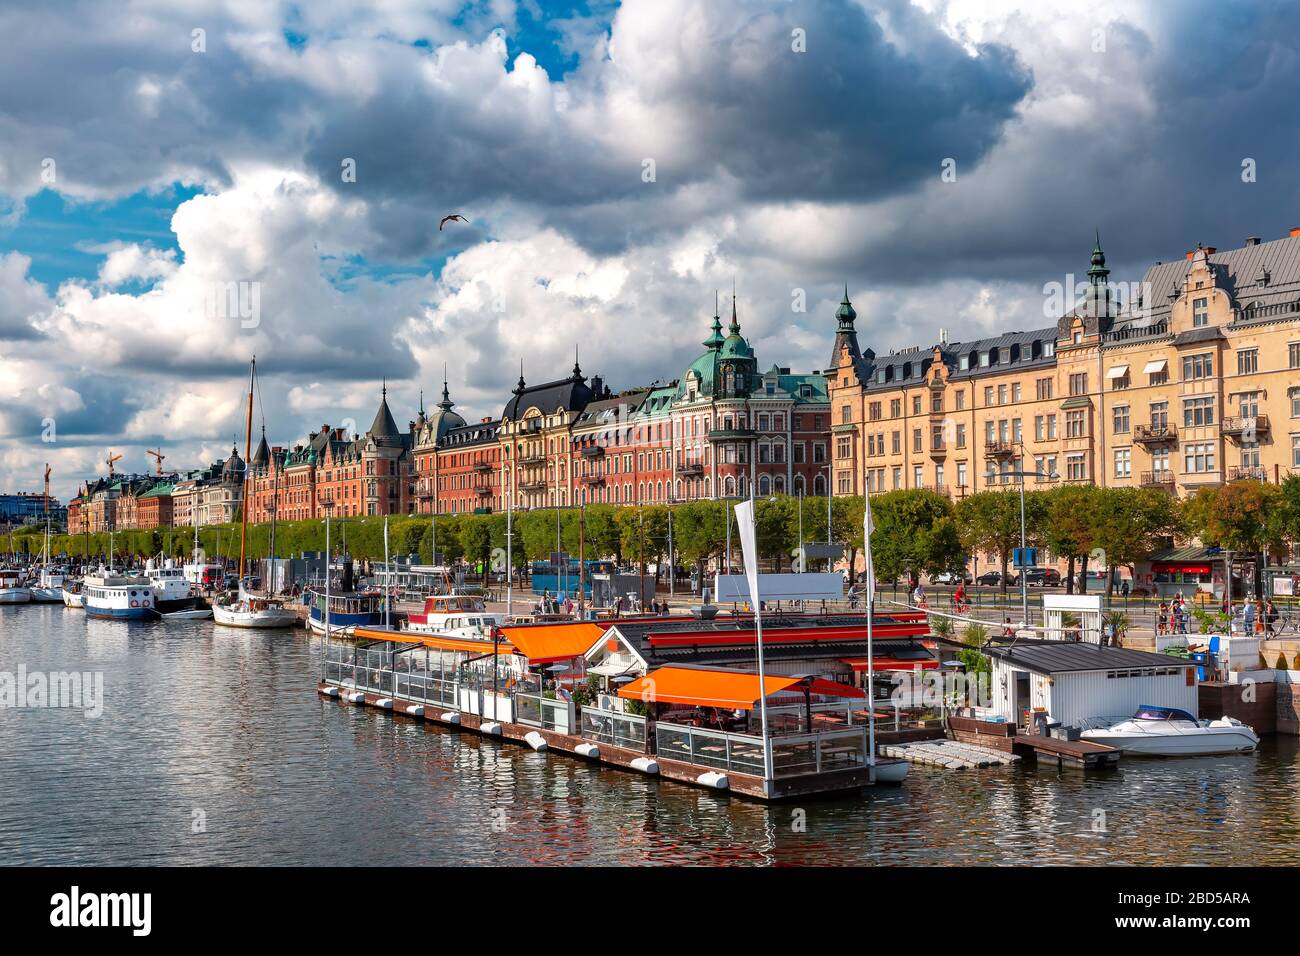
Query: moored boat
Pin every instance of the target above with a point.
(48, 587)
(456, 615)
(73, 596)
(119, 597)
(1170, 732)
(250, 611)
(174, 593)
(12, 588)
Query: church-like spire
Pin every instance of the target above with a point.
(845, 313)
(734, 327)
(520, 386)
(577, 369)
(1097, 271)
(715, 340)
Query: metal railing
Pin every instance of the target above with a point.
(610, 727)
(715, 749)
(548, 713)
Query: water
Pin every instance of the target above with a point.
(224, 727)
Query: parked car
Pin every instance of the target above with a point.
(1042, 577)
(952, 577)
(992, 579)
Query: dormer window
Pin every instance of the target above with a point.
(963, 362)
(985, 358)
(1200, 312)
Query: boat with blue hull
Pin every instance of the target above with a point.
(348, 610)
(120, 597)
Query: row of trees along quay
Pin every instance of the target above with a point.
(917, 531)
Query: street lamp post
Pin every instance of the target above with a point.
(1024, 583)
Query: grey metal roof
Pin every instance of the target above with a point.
(1034, 348)
(1057, 657)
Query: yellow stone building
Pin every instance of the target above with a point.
(1191, 379)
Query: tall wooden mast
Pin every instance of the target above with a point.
(248, 451)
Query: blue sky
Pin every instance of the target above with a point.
(618, 164)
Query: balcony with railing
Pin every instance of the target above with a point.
(1163, 478)
(999, 449)
(692, 469)
(532, 458)
(592, 451)
(1161, 434)
(1248, 473)
(730, 434)
(596, 479)
(482, 467)
(1243, 426)
(530, 486)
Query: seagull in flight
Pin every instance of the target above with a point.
(454, 217)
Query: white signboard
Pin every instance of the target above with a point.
(1284, 586)
(733, 588)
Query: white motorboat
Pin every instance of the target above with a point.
(189, 614)
(456, 615)
(48, 587)
(1170, 732)
(174, 593)
(12, 589)
(74, 597)
(251, 611)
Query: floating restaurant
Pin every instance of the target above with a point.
(673, 697)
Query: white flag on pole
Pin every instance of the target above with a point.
(869, 570)
(749, 548)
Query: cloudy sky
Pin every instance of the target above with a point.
(618, 163)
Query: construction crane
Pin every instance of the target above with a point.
(158, 458)
(110, 461)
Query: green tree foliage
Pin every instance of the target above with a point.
(915, 532)
(990, 521)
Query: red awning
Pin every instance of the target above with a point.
(891, 663)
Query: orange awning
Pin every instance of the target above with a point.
(720, 688)
(441, 642)
(544, 643)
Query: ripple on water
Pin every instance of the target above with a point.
(227, 723)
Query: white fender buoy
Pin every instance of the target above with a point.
(415, 710)
(535, 740)
(491, 727)
(645, 765)
(330, 691)
(450, 717)
(355, 697)
(587, 750)
(384, 703)
(718, 781)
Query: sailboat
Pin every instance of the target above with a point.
(48, 586)
(250, 610)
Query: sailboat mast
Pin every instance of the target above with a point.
(248, 452)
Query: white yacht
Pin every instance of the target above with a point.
(176, 595)
(48, 588)
(73, 596)
(12, 588)
(1170, 732)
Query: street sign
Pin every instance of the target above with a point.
(1024, 557)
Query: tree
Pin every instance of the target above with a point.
(1128, 523)
(700, 531)
(915, 532)
(1067, 528)
(990, 521)
(475, 536)
(772, 532)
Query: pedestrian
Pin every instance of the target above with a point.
(1270, 615)
(1008, 630)
(1248, 618)
(1123, 588)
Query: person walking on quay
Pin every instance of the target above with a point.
(1270, 616)
(1162, 618)
(1248, 618)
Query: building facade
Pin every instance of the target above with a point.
(1195, 380)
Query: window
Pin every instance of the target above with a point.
(1121, 382)
(1159, 416)
(895, 407)
(1295, 403)
(1200, 312)
(936, 401)
(1198, 458)
(1079, 383)
(961, 435)
(1015, 391)
(844, 447)
(1075, 468)
(988, 432)
(1293, 355)
(896, 442)
(918, 476)
(1248, 404)
(1160, 377)
(1198, 411)
(1051, 427)
(1120, 418)
(1002, 394)
(1198, 366)
(897, 477)
(1038, 428)
(988, 394)
(1043, 388)
(1160, 459)
(916, 439)
(1295, 451)
(916, 405)
(1076, 424)
(960, 399)
(936, 437)
(1247, 361)
(1123, 462)
(873, 411)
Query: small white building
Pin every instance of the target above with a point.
(1075, 682)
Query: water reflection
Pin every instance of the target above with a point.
(223, 725)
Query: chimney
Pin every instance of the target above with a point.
(943, 336)
(1211, 250)
(1252, 240)
(1190, 253)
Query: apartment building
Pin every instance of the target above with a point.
(1194, 380)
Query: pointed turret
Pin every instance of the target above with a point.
(715, 340)
(262, 456)
(845, 351)
(383, 426)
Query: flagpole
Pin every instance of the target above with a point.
(871, 613)
(746, 525)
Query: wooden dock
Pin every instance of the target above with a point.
(949, 754)
(1071, 754)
